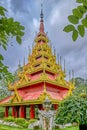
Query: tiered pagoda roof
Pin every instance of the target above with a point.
(40, 77)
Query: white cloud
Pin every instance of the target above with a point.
(55, 16)
(35, 24)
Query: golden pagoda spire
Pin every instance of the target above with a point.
(19, 67)
(41, 36)
(58, 58)
(54, 51)
(41, 29)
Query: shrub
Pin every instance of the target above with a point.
(9, 119)
(22, 122)
(73, 109)
(2, 114)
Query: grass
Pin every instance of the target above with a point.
(5, 127)
(71, 128)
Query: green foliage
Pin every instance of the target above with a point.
(8, 29)
(69, 28)
(81, 30)
(22, 122)
(67, 128)
(9, 119)
(74, 108)
(84, 22)
(8, 77)
(79, 82)
(5, 127)
(73, 19)
(75, 35)
(78, 19)
(2, 112)
(4, 73)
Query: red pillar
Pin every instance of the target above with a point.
(32, 112)
(55, 106)
(22, 111)
(13, 111)
(6, 111)
(16, 111)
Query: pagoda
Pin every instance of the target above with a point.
(41, 77)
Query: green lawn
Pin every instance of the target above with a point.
(4, 127)
(71, 128)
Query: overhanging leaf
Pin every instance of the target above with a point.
(81, 30)
(69, 28)
(2, 11)
(75, 35)
(18, 39)
(73, 19)
(1, 57)
(82, 9)
(77, 13)
(84, 22)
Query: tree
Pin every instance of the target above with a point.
(74, 108)
(78, 20)
(8, 29)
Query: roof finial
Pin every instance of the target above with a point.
(19, 66)
(41, 20)
(64, 66)
(69, 74)
(41, 15)
(24, 61)
(73, 79)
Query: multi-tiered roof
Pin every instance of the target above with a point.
(40, 77)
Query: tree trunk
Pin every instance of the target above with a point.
(83, 127)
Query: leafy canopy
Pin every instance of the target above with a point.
(8, 29)
(78, 20)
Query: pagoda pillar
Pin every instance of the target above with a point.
(16, 111)
(13, 111)
(32, 112)
(6, 111)
(22, 111)
(55, 106)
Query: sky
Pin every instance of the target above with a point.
(27, 12)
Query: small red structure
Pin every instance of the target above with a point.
(40, 77)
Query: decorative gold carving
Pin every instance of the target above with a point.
(43, 96)
(16, 97)
(44, 76)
